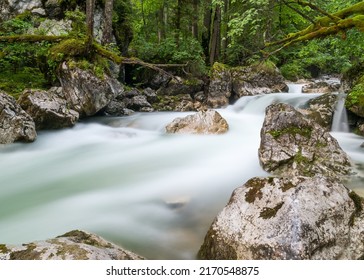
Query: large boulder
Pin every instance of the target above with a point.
(49, 109)
(321, 109)
(85, 92)
(295, 145)
(74, 245)
(15, 123)
(11, 8)
(257, 79)
(220, 86)
(321, 86)
(288, 218)
(203, 122)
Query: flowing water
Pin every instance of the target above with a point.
(125, 179)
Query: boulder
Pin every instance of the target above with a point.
(74, 245)
(220, 87)
(321, 87)
(257, 79)
(294, 145)
(179, 86)
(296, 218)
(11, 8)
(15, 123)
(85, 92)
(49, 109)
(203, 122)
(321, 109)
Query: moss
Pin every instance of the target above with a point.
(292, 130)
(79, 236)
(28, 254)
(68, 48)
(299, 158)
(4, 249)
(358, 203)
(255, 186)
(287, 186)
(75, 251)
(355, 98)
(268, 213)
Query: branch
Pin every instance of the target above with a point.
(316, 8)
(298, 12)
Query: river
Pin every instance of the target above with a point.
(126, 180)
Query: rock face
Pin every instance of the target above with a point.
(15, 123)
(86, 93)
(48, 109)
(288, 218)
(207, 122)
(9, 8)
(321, 109)
(294, 145)
(229, 84)
(74, 245)
(322, 86)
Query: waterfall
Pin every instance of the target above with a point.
(295, 88)
(340, 119)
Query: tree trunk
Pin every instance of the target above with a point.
(107, 32)
(195, 19)
(225, 29)
(178, 21)
(206, 34)
(216, 37)
(90, 12)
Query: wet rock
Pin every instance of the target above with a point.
(321, 109)
(150, 94)
(86, 93)
(179, 86)
(49, 109)
(137, 103)
(294, 145)
(15, 123)
(321, 87)
(204, 122)
(288, 218)
(257, 79)
(220, 86)
(74, 245)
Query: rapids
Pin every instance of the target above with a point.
(126, 180)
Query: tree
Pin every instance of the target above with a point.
(107, 30)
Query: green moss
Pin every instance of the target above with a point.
(299, 158)
(14, 83)
(358, 203)
(255, 186)
(68, 48)
(79, 236)
(292, 130)
(356, 96)
(28, 254)
(4, 249)
(268, 213)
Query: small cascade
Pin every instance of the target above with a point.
(295, 88)
(340, 119)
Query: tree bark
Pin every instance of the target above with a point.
(108, 12)
(216, 37)
(195, 19)
(90, 13)
(206, 34)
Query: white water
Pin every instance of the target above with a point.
(116, 176)
(340, 119)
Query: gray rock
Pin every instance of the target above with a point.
(294, 145)
(15, 123)
(288, 218)
(179, 86)
(49, 109)
(138, 102)
(220, 87)
(150, 94)
(51, 27)
(321, 109)
(321, 87)
(53, 9)
(11, 8)
(204, 122)
(86, 93)
(74, 245)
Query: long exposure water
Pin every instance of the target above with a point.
(128, 181)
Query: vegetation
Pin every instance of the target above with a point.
(190, 34)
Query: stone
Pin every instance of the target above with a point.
(203, 122)
(52, 27)
(11, 8)
(49, 109)
(321, 109)
(53, 9)
(179, 86)
(220, 86)
(321, 87)
(294, 145)
(256, 80)
(15, 123)
(86, 93)
(74, 245)
(299, 218)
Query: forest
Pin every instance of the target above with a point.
(191, 34)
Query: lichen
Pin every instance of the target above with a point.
(28, 254)
(292, 130)
(358, 203)
(268, 213)
(4, 249)
(255, 186)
